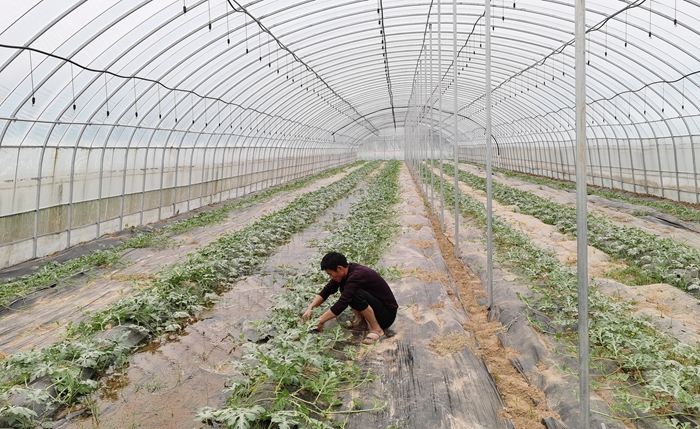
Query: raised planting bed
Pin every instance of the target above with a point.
(15, 291)
(652, 259)
(682, 211)
(37, 382)
(293, 378)
(649, 376)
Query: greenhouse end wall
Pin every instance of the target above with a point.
(665, 167)
(60, 197)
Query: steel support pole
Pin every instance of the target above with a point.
(432, 124)
(456, 119)
(581, 213)
(442, 152)
(425, 127)
(489, 155)
(419, 141)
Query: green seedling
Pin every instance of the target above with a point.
(294, 379)
(663, 371)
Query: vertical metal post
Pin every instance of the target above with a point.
(37, 211)
(71, 190)
(489, 156)
(425, 128)
(419, 134)
(456, 118)
(143, 189)
(442, 152)
(189, 182)
(581, 212)
(162, 174)
(430, 138)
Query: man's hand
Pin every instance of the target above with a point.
(316, 302)
(320, 326)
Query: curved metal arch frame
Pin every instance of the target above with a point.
(535, 123)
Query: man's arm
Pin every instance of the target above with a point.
(325, 317)
(315, 303)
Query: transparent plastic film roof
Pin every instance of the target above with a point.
(335, 72)
(108, 102)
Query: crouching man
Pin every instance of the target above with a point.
(361, 289)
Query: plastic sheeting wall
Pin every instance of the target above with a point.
(664, 167)
(55, 197)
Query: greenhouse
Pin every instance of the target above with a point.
(505, 194)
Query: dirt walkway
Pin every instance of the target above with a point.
(43, 321)
(431, 371)
(537, 359)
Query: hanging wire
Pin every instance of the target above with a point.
(260, 45)
(663, 97)
(563, 65)
(206, 121)
(683, 96)
(553, 62)
(626, 24)
(72, 84)
(588, 50)
(184, 8)
(606, 40)
(675, 12)
(245, 17)
(544, 72)
(228, 28)
(209, 7)
(159, 113)
(629, 105)
(175, 104)
(106, 95)
(192, 100)
(136, 108)
(650, 19)
(31, 76)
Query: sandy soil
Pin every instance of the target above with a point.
(526, 406)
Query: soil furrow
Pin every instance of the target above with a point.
(171, 379)
(43, 321)
(671, 309)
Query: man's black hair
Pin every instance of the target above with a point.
(332, 260)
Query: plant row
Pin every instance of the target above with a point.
(293, 379)
(627, 349)
(679, 210)
(652, 259)
(178, 292)
(54, 272)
